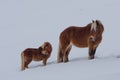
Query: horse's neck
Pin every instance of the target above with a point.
(88, 28)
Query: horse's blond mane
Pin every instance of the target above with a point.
(93, 26)
(99, 21)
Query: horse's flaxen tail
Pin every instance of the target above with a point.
(22, 62)
(59, 57)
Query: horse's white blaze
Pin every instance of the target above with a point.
(93, 26)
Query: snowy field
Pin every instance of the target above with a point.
(29, 23)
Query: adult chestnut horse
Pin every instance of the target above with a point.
(88, 36)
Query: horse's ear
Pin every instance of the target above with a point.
(92, 21)
(97, 22)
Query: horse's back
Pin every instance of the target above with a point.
(75, 35)
(69, 31)
(75, 30)
(67, 34)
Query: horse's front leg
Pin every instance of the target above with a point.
(92, 47)
(92, 53)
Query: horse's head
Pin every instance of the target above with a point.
(96, 30)
(93, 30)
(93, 26)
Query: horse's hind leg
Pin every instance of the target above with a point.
(63, 52)
(65, 57)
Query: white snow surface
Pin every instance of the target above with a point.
(29, 23)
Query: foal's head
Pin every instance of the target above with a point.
(46, 48)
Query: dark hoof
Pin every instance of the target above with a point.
(59, 61)
(66, 61)
(91, 57)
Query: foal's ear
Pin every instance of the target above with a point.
(40, 48)
(92, 21)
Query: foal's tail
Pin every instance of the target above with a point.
(22, 62)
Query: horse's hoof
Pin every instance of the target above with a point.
(59, 61)
(91, 57)
(65, 61)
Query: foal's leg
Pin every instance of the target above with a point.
(44, 61)
(27, 62)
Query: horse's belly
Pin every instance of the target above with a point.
(80, 44)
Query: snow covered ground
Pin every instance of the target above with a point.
(28, 23)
